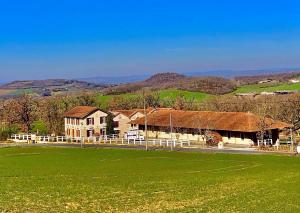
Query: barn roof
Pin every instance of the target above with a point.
(230, 121)
(80, 112)
(129, 113)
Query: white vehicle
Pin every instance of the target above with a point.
(134, 135)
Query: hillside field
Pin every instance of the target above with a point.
(103, 100)
(44, 179)
(13, 92)
(267, 87)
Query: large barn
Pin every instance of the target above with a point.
(232, 127)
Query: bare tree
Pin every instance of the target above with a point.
(25, 110)
(264, 121)
(204, 127)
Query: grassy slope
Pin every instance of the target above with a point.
(60, 179)
(102, 100)
(170, 93)
(15, 91)
(267, 87)
(173, 93)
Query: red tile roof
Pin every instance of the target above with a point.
(131, 112)
(230, 121)
(80, 112)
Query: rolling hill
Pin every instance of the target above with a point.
(49, 83)
(210, 85)
(47, 87)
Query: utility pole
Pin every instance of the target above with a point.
(146, 128)
(171, 131)
(292, 140)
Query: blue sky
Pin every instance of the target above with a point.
(85, 38)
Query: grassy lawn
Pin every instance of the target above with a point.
(267, 87)
(72, 179)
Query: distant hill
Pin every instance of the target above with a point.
(279, 77)
(229, 74)
(42, 84)
(211, 85)
(235, 73)
(47, 87)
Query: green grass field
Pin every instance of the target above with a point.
(103, 100)
(267, 87)
(174, 93)
(40, 179)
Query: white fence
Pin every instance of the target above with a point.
(106, 139)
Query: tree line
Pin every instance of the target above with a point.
(45, 115)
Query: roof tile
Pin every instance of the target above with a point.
(80, 112)
(230, 121)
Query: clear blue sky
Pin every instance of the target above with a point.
(83, 38)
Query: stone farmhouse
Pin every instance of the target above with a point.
(85, 121)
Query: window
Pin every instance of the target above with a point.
(77, 133)
(90, 121)
(77, 121)
(90, 133)
(68, 132)
(102, 120)
(229, 135)
(116, 123)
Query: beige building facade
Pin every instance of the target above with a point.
(123, 118)
(84, 121)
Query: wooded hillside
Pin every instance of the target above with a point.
(211, 85)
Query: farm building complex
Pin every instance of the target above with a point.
(229, 127)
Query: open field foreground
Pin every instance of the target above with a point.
(37, 179)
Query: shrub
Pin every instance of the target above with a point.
(5, 133)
